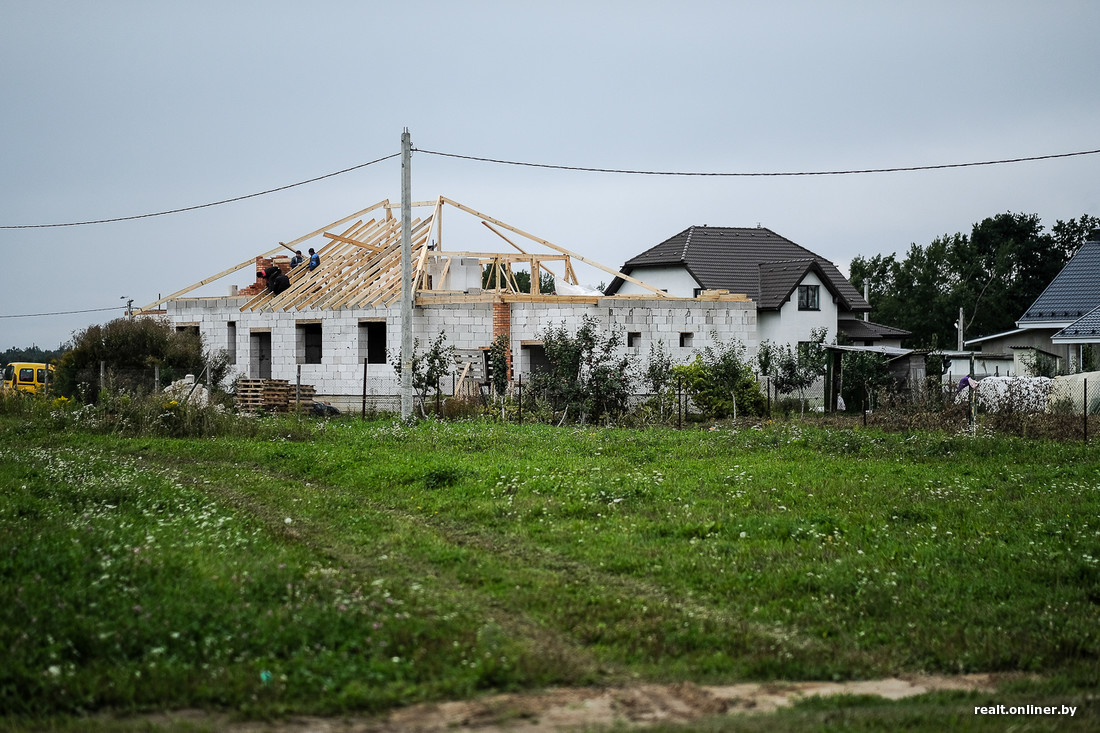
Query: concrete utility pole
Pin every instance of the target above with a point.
(406, 277)
(961, 326)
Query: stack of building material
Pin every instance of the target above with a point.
(306, 393)
(276, 395)
(273, 395)
(250, 395)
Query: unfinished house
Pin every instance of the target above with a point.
(338, 326)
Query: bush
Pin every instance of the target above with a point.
(864, 377)
(428, 368)
(588, 376)
(131, 349)
(721, 382)
(794, 371)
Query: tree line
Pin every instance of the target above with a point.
(993, 274)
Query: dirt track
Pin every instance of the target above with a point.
(567, 709)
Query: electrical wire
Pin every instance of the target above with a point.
(759, 175)
(199, 206)
(585, 169)
(63, 313)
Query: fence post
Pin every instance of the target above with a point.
(363, 414)
(972, 413)
(102, 375)
(520, 397)
(679, 403)
(1085, 404)
(298, 393)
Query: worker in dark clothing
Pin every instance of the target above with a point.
(277, 281)
(314, 259)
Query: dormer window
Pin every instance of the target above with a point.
(809, 297)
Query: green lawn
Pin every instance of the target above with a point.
(355, 566)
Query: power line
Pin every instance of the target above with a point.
(199, 206)
(759, 175)
(586, 169)
(64, 313)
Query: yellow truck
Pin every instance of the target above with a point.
(29, 377)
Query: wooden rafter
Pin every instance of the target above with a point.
(361, 263)
(551, 245)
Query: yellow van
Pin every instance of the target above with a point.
(27, 377)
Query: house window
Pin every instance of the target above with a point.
(686, 338)
(309, 343)
(231, 341)
(372, 341)
(633, 339)
(809, 297)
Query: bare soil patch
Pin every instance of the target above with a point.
(557, 710)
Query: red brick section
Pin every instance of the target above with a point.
(283, 263)
(502, 323)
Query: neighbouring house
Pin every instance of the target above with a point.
(337, 327)
(794, 289)
(1060, 329)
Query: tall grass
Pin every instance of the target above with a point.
(357, 565)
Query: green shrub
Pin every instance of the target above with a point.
(588, 376)
(721, 383)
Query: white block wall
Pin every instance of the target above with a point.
(339, 376)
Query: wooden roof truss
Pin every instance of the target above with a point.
(361, 262)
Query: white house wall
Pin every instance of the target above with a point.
(339, 377)
(675, 281)
(790, 325)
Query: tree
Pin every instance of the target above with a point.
(794, 370)
(658, 375)
(994, 274)
(32, 354)
(131, 349)
(720, 381)
(865, 375)
(429, 367)
(491, 279)
(588, 373)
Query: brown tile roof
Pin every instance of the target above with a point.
(751, 260)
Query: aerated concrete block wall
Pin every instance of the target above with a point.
(683, 326)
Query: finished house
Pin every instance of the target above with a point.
(1062, 323)
(794, 289)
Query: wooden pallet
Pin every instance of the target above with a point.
(272, 395)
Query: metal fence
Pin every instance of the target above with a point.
(1064, 407)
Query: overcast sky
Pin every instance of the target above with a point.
(114, 109)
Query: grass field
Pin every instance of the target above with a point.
(355, 566)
